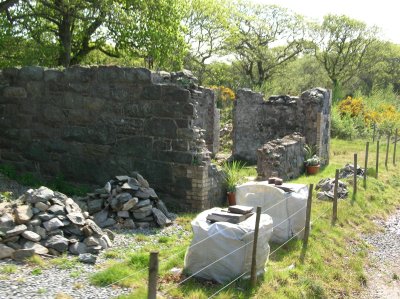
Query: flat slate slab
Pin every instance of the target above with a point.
(228, 217)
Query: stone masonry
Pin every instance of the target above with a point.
(91, 123)
(257, 121)
(282, 158)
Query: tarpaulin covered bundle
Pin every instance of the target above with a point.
(287, 209)
(224, 249)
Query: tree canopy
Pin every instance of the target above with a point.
(342, 45)
(234, 43)
(263, 38)
(148, 29)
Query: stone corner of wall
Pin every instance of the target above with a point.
(317, 95)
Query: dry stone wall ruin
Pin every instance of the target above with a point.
(91, 123)
(283, 158)
(257, 121)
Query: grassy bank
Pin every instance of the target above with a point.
(334, 262)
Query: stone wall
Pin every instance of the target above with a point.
(89, 124)
(208, 118)
(257, 121)
(281, 158)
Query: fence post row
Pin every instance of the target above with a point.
(307, 224)
(153, 273)
(394, 149)
(387, 151)
(253, 277)
(355, 175)
(366, 165)
(377, 159)
(373, 135)
(335, 197)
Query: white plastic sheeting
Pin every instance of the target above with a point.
(219, 239)
(287, 209)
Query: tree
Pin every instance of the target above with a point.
(6, 4)
(341, 45)
(206, 23)
(264, 38)
(145, 28)
(303, 73)
(383, 71)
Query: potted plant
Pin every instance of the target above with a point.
(313, 164)
(232, 178)
(311, 160)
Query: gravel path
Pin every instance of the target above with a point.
(7, 185)
(384, 274)
(53, 281)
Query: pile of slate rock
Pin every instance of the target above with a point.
(44, 222)
(348, 171)
(326, 188)
(127, 202)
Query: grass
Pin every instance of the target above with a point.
(36, 271)
(34, 180)
(65, 262)
(42, 291)
(335, 259)
(36, 260)
(8, 269)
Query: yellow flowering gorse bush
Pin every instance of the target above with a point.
(384, 115)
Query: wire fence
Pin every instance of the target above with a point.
(270, 254)
(193, 245)
(241, 275)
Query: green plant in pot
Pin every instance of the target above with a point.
(313, 164)
(232, 178)
(311, 161)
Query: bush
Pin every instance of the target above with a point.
(342, 126)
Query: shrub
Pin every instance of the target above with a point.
(233, 175)
(342, 126)
(225, 95)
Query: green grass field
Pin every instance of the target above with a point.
(335, 259)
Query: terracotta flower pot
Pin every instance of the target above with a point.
(312, 169)
(231, 198)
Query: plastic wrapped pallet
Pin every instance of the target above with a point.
(231, 241)
(287, 209)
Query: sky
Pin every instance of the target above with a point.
(383, 13)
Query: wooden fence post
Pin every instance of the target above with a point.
(253, 277)
(153, 273)
(377, 159)
(387, 151)
(335, 197)
(366, 165)
(373, 135)
(355, 175)
(307, 224)
(394, 149)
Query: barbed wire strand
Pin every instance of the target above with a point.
(143, 269)
(169, 257)
(228, 254)
(275, 250)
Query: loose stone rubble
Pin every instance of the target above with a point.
(326, 187)
(43, 221)
(348, 171)
(127, 202)
(282, 157)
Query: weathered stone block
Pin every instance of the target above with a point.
(31, 73)
(151, 93)
(53, 75)
(14, 92)
(176, 157)
(162, 127)
(172, 93)
(281, 157)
